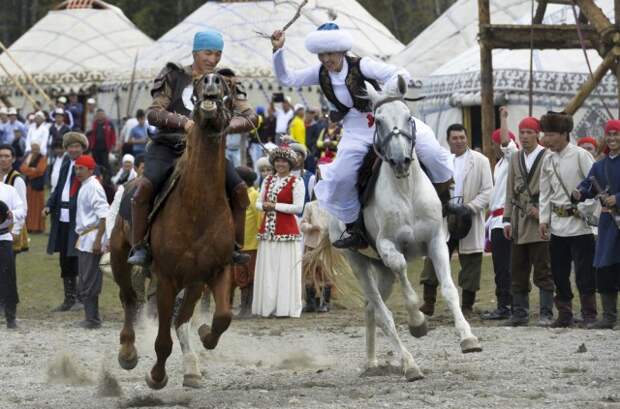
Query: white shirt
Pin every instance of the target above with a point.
(126, 131)
(282, 119)
(573, 164)
(66, 196)
(299, 193)
(39, 135)
(132, 175)
(530, 158)
(9, 195)
(459, 170)
(20, 186)
(500, 179)
(92, 207)
(55, 174)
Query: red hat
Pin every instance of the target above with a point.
(529, 122)
(497, 137)
(612, 125)
(587, 139)
(86, 161)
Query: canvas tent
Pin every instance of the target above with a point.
(76, 49)
(249, 54)
(453, 90)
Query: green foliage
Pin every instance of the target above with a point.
(405, 18)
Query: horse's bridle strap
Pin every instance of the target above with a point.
(387, 100)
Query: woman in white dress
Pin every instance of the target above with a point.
(277, 281)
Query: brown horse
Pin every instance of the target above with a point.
(191, 241)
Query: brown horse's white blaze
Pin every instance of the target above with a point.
(191, 241)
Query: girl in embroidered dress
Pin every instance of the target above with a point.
(277, 281)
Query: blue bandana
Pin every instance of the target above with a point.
(328, 26)
(208, 40)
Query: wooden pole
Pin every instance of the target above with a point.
(19, 86)
(487, 107)
(540, 12)
(591, 83)
(32, 81)
(596, 17)
(131, 85)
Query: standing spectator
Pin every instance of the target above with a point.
(606, 172)
(244, 273)
(297, 128)
(55, 164)
(12, 213)
(283, 116)
(57, 130)
(77, 110)
(102, 140)
(504, 147)
(20, 147)
(67, 116)
(264, 169)
(315, 124)
(473, 186)
(11, 125)
(12, 177)
(92, 209)
(571, 239)
(267, 131)
(277, 283)
(139, 165)
(233, 148)
(314, 225)
(298, 170)
(38, 133)
(521, 222)
(34, 167)
(126, 172)
(329, 137)
(89, 112)
(138, 135)
(589, 144)
(61, 204)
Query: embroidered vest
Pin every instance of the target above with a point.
(355, 84)
(278, 226)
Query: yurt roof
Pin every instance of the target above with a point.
(454, 31)
(249, 54)
(75, 47)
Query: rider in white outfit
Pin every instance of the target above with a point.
(342, 79)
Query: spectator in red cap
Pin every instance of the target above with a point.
(505, 146)
(589, 143)
(521, 222)
(92, 208)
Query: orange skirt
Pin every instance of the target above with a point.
(35, 222)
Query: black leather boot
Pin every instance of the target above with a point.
(354, 237)
(326, 301)
(311, 304)
(140, 208)
(9, 314)
(239, 201)
(70, 294)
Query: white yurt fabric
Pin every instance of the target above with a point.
(557, 77)
(454, 31)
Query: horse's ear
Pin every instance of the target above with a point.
(402, 85)
(372, 93)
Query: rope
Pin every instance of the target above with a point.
(585, 53)
(531, 81)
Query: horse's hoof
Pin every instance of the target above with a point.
(203, 331)
(413, 374)
(155, 385)
(470, 345)
(128, 363)
(420, 330)
(192, 381)
(209, 341)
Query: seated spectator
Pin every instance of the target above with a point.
(126, 172)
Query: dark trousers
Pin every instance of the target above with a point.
(8, 276)
(68, 264)
(577, 249)
(608, 279)
(501, 252)
(90, 277)
(102, 159)
(469, 275)
(525, 257)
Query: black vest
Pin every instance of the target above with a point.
(176, 77)
(355, 84)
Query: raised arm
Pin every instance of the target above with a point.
(286, 77)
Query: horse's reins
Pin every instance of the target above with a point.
(378, 147)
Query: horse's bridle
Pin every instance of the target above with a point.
(377, 145)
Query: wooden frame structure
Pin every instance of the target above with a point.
(597, 33)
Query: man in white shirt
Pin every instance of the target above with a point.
(12, 217)
(61, 204)
(571, 239)
(284, 114)
(38, 133)
(504, 146)
(473, 186)
(92, 209)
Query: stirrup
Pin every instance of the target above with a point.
(355, 239)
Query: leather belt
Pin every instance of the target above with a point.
(562, 211)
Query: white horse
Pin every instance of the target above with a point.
(404, 219)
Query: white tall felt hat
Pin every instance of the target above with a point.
(328, 38)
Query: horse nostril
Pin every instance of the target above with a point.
(407, 161)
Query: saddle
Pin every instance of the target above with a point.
(368, 176)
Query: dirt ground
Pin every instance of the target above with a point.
(313, 362)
